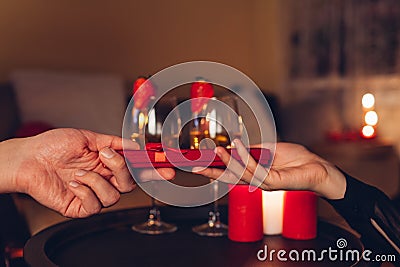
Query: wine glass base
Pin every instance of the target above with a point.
(154, 228)
(217, 229)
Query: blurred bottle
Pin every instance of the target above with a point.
(200, 92)
(143, 92)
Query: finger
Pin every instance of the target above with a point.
(244, 155)
(105, 192)
(90, 204)
(259, 172)
(126, 144)
(121, 178)
(166, 173)
(209, 172)
(146, 175)
(118, 143)
(251, 164)
(103, 140)
(233, 165)
(225, 176)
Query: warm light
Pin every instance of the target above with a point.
(371, 118)
(368, 131)
(368, 100)
(212, 123)
(152, 124)
(272, 211)
(142, 121)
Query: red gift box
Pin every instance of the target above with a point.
(169, 158)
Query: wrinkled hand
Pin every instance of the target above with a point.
(76, 172)
(293, 168)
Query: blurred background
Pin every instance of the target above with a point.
(313, 59)
(316, 56)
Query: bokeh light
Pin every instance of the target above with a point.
(368, 100)
(368, 131)
(371, 118)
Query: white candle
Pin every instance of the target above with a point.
(272, 203)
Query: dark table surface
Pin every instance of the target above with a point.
(107, 240)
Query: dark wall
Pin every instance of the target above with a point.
(9, 119)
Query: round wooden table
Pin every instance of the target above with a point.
(107, 240)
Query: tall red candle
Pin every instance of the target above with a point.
(300, 215)
(245, 214)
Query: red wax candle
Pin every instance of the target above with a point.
(300, 215)
(245, 214)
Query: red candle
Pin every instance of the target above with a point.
(300, 215)
(245, 214)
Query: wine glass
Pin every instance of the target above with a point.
(222, 124)
(147, 132)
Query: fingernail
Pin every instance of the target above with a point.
(107, 152)
(80, 172)
(197, 169)
(74, 184)
(216, 151)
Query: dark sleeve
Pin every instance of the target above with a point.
(372, 214)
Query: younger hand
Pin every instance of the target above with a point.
(293, 168)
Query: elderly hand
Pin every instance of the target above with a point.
(293, 168)
(75, 172)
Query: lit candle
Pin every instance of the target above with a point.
(272, 207)
(300, 215)
(245, 214)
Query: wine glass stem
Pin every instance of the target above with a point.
(215, 191)
(154, 213)
(213, 216)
